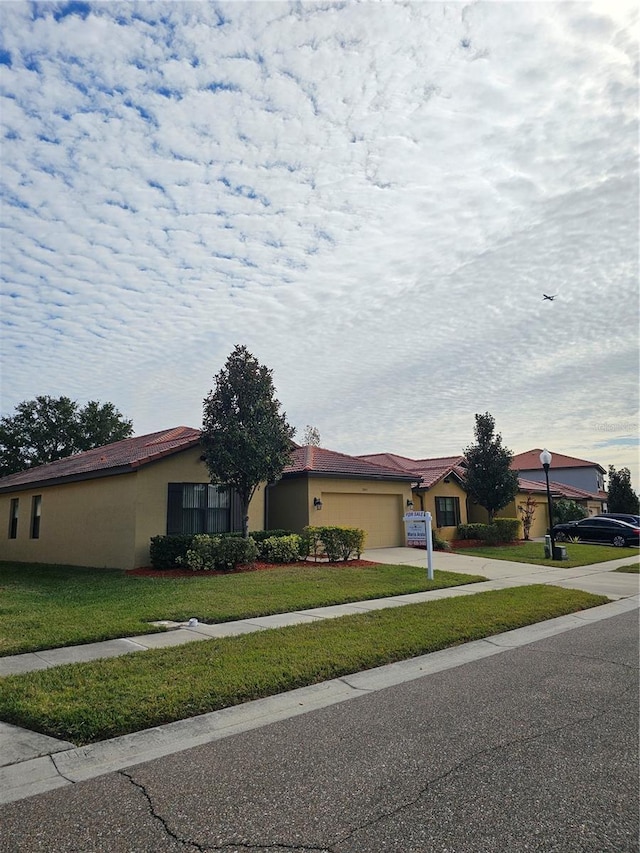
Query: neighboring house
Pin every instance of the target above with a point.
(538, 491)
(588, 477)
(101, 507)
(321, 487)
(439, 490)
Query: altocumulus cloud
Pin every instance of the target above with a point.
(372, 197)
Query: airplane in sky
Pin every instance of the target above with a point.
(550, 298)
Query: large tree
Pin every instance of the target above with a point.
(48, 428)
(489, 478)
(621, 498)
(246, 439)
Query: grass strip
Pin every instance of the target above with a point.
(629, 568)
(89, 702)
(48, 606)
(533, 552)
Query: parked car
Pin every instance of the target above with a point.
(621, 516)
(598, 529)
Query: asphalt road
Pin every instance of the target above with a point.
(533, 749)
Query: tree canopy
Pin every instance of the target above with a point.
(246, 439)
(48, 428)
(622, 498)
(489, 478)
(311, 436)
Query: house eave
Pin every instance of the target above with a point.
(69, 478)
(340, 476)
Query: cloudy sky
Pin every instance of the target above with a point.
(372, 197)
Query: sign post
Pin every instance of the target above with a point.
(419, 533)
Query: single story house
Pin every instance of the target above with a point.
(438, 488)
(101, 507)
(320, 487)
(538, 493)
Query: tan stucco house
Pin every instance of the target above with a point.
(101, 507)
(438, 488)
(321, 487)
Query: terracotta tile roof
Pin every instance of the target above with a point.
(128, 454)
(317, 460)
(531, 459)
(430, 471)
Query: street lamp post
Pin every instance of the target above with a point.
(545, 461)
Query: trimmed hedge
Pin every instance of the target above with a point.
(219, 553)
(280, 549)
(502, 530)
(338, 544)
(166, 552)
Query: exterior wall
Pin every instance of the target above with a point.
(587, 479)
(88, 523)
(540, 523)
(426, 501)
(106, 522)
(291, 506)
(288, 505)
(151, 498)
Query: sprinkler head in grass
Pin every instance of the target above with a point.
(193, 622)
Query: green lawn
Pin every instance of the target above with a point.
(533, 552)
(88, 702)
(44, 606)
(630, 568)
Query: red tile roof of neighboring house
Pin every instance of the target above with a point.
(119, 457)
(317, 460)
(531, 459)
(430, 471)
(562, 489)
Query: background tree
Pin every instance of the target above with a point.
(311, 436)
(246, 440)
(47, 428)
(564, 511)
(489, 479)
(622, 498)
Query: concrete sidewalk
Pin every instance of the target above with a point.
(31, 763)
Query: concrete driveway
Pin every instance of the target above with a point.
(599, 578)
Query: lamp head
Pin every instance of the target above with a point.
(545, 458)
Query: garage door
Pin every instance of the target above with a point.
(380, 516)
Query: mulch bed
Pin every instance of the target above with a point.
(148, 572)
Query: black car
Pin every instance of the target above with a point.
(621, 516)
(599, 529)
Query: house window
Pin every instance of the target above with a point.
(447, 512)
(202, 508)
(13, 518)
(36, 512)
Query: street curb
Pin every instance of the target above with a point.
(69, 766)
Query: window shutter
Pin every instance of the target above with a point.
(174, 508)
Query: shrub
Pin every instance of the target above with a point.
(471, 531)
(338, 543)
(219, 553)
(166, 551)
(502, 530)
(439, 544)
(565, 510)
(260, 535)
(508, 528)
(280, 549)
